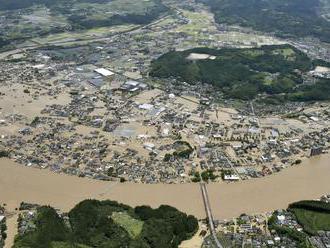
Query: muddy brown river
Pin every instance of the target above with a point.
(309, 180)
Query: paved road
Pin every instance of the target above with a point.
(209, 214)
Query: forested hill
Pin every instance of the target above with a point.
(295, 18)
(95, 223)
(239, 73)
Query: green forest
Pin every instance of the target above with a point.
(245, 73)
(313, 216)
(93, 223)
(294, 18)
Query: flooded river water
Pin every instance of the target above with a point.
(309, 180)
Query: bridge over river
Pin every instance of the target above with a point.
(209, 214)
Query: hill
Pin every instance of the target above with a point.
(286, 18)
(243, 73)
(94, 223)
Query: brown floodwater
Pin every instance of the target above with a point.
(309, 180)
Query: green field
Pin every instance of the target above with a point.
(132, 226)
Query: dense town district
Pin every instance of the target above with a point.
(54, 117)
(91, 110)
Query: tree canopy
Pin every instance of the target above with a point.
(91, 223)
(244, 73)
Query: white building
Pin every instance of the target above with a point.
(104, 72)
(231, 178)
